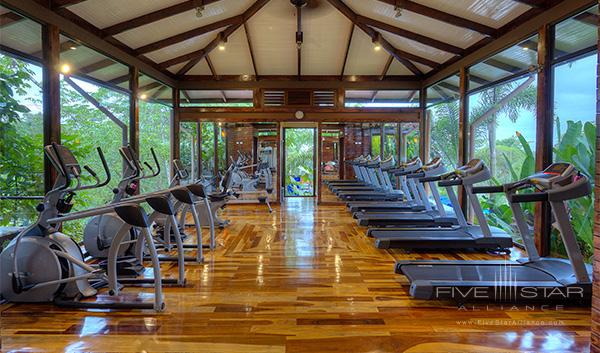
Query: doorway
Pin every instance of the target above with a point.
(299, 161)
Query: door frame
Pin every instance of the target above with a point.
(299, 125)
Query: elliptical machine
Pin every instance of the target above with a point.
(42, 264)
(100, 230)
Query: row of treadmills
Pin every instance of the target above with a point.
(402, 208)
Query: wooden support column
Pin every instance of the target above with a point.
(199, 148)
(423, 126)
(216, 150)
(544, 133)
(463, 130)
(51, 95)
(175, 130)
(134, 110)
(319, 161)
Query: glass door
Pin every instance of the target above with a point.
(299, 162)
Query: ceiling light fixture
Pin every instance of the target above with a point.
(398, 10)
(72, 47)
(65, 69)
(143, 96)
(221, 47)
(377, 47)
(199, 11)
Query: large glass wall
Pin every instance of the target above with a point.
(21, 135)
(94, 113)
(154, 130)
(208, 148)
(21, 139)
(188, 148)
(442, 109)
(575, 117)
(502, 125)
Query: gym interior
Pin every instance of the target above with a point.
(299, 176)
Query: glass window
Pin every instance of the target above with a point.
(575, 140)
(409, 141)
(20, 34)
(155, 126)
(502, 132)
(443, 134)
(390, 140)
(216, 98)
(21, 140)
(579, 32)
(188, 148)
(208, 148)
(221, 147)
(382, 99)
(512, 61)
(444, 91)
(376, 141)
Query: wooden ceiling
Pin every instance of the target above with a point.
(258, 37)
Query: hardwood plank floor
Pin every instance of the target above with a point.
(303, 279)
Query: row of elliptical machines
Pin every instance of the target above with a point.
(534, 278)
(119, 235)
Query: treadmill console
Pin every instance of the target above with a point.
(554, 173)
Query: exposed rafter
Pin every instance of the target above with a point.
(98, 65)
(195, 57)
(249, 40)
(153, 17)
(384, 72)
(9, 18)
(410, 35)
(403, 57)
(64, 3)
(215, 76)
(442, 16)
(196, 32)
(532, 3)
(347, 51)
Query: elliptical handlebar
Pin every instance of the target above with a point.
(61, 162)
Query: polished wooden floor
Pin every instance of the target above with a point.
(303, 279)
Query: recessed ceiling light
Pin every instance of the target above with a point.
(143, 96)
(377, 47)
(222, 47)
(72, 47)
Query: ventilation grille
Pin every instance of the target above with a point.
(324, 98)
(274, 98)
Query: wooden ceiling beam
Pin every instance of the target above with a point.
(196, 32)
(153, 17)
(411, 35)
(347, 51)
(195, 57)
(150, 86)
(442, 16)
(9, 18)
(249, 40)
(57, 4)
(98, 65)
(384, 72)
(532, 3)
(402, 56)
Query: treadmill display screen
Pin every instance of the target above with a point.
(557, 168)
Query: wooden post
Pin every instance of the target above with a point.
(463, 130)
(423, 126)
(426, 136)
(51, 95)
(319, 160)
(199, 148)
(175, 130)
(134, 110)
(216, 150)
(544, 133)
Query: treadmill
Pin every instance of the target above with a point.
(462, 236)
(429, 217)
(534, 278)
(384, 189)
(412, 199)
(357, 180)
(371, 182)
